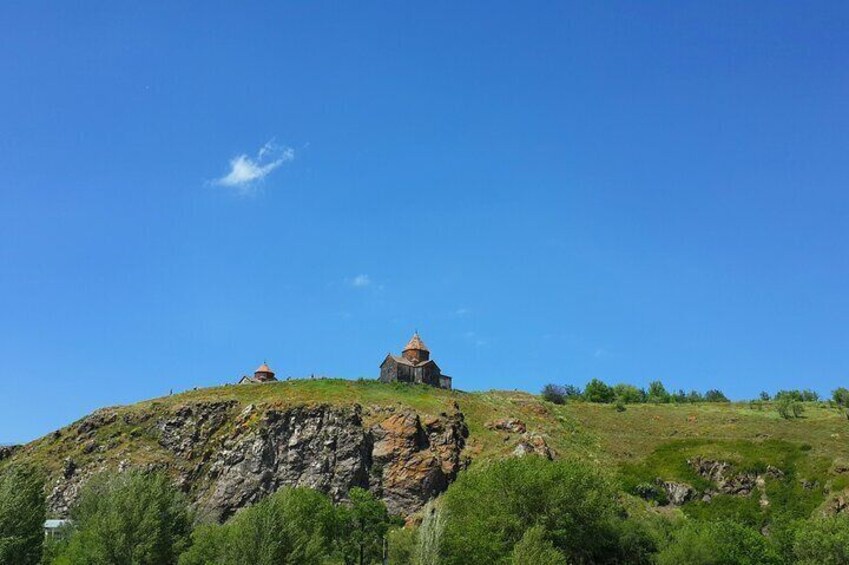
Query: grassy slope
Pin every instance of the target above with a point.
(643, 442)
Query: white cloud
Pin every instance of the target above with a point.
(361, 281)
(246, 171)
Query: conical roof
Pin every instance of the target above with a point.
(416, 343)
(264, 369)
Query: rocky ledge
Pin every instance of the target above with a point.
(225, 456)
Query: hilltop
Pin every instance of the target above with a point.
(229, 446)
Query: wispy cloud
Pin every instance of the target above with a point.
(246, 172)
(361, 281)
(476, 339)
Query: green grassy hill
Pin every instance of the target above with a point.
(639, 445)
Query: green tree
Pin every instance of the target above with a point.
(554, 393)
(293, 525)
(657, 393)
(489, 508)
(717, 543)
(695, 396)
(823, 541)
(597, 391)
(841, 396)
(714, 395)
(22, 514)
(134, 518)
(628, 394)
(361, 528)
(534, 547)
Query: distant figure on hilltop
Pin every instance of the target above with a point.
(414, 365)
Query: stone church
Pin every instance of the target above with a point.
(263, 374)
(414, 365)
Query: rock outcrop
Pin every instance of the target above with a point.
(7, 451)
(677, 493)
(532, 443)
(226, 456)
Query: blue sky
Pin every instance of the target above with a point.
(549, 192)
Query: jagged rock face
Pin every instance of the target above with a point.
(720, 473)
(319, 447)
(226, 457)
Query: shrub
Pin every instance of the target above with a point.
(489, 509)
(554, 393)
(130, 517)
(788, 407)
(293, 525)
(822, 541)
(717, 542)
(430, 536)
(597, 391)
(764, 396)
(22, 514)
(534, 547)
(401, 545)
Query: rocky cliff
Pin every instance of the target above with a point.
(227, 456)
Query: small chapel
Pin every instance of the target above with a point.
(263, 374)
(414, 365)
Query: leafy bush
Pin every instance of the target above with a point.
(22, 514)
(788, 407)
(293, 525)
(554, 393)
(597, 391)
(764, 396)
(401, 545)
(489, 509)
(130, 517)
(534, 547)
(717, 542)
(822, 541)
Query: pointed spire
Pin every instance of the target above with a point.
(416, 344)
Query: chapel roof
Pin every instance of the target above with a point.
(416, 343)
(264, 369)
